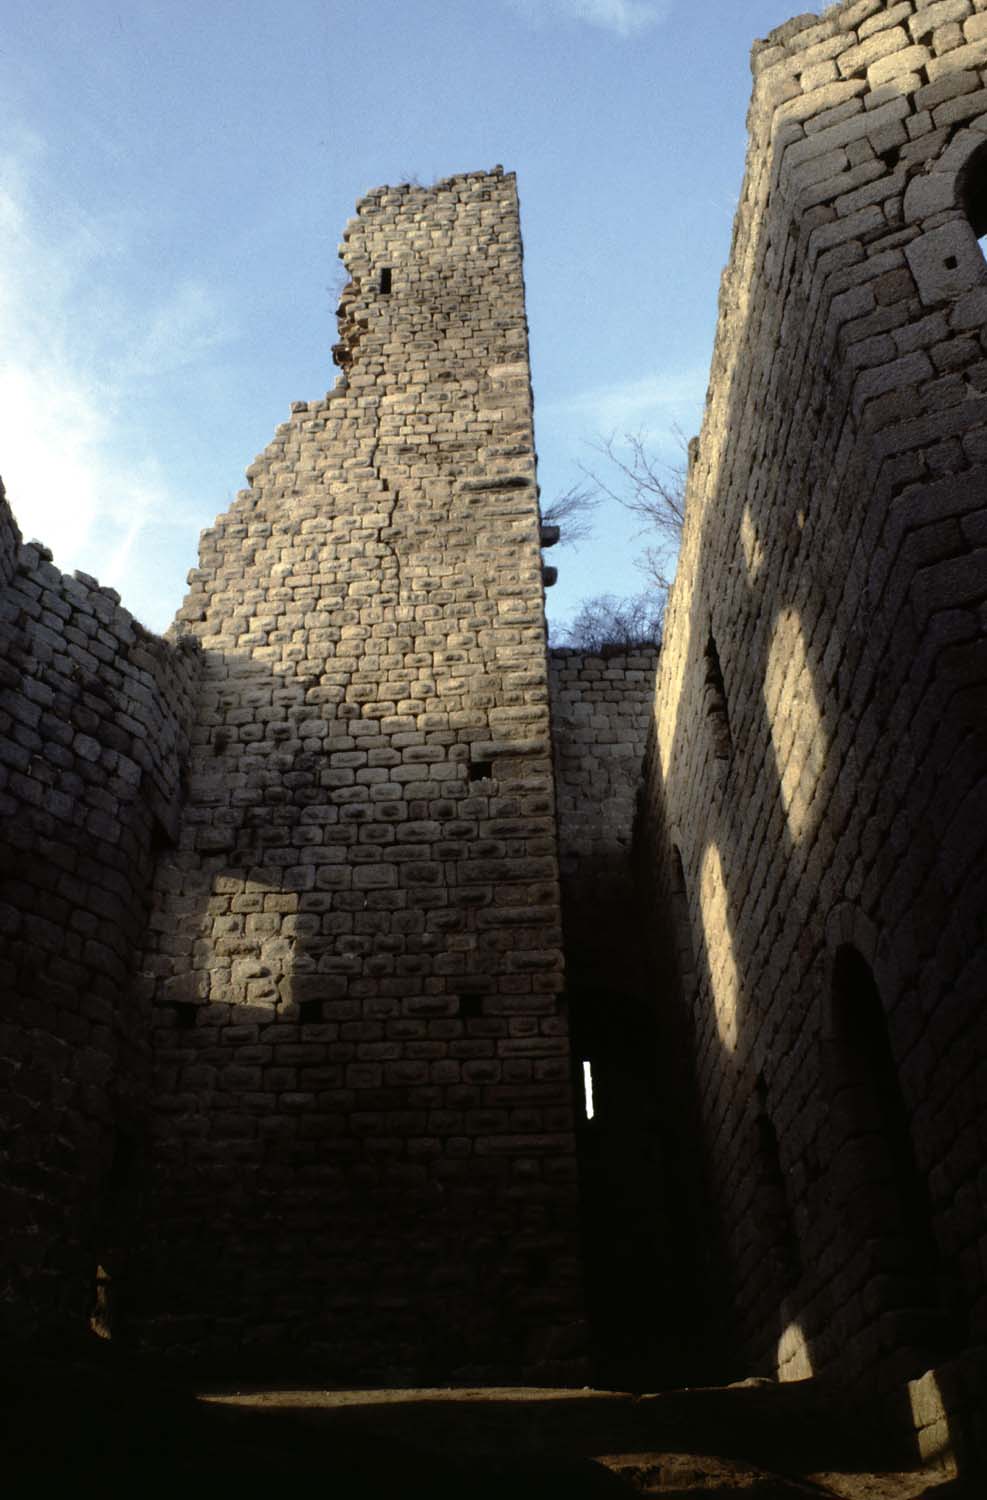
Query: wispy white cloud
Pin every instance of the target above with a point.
(656, 402)
(181, 330)
(72, 350)
(623, 17)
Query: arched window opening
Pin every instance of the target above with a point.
(879, 1108)
(682, 928)
(974, 195)
(715, 702)
(884, 1195)
(776, 1219)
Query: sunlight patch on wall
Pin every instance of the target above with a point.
(930, 1419)
(671, 681)
(798, 738)
(719, 946)
(751, 547)
(793, 1359)
(236, 960)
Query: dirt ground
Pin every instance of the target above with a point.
(106, 1426)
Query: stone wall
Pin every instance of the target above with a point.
(340, 778)
(636, 1189)
(94, 714)
(816, 790)
(365, 1150)
(602, 710)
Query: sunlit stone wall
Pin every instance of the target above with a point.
(820, 719)
(365, 1148)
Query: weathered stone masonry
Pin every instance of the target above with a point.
(358, 1146)
(94, 716)
(636, 1200)
(364, 1139)
(817, 785)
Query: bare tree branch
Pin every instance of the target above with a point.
(607, 622)
(573, 514)
(651, 490)
(654, 493)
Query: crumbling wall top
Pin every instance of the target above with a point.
(810, 28)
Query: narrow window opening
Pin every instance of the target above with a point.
(480, 770)
(974, 198)
(161, 839)
(310, 1012)
(470, 1007)
(385, 281)
(951, 262)
(588, 1089)
(777, 1220)
(185, 1015)
(715, 702)
(682, 930)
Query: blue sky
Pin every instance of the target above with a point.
(174, 180)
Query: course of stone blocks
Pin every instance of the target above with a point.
(601, 717)
(817, 784)
(94, 717)
(355, 965)
(636, 1209)
(286, 897)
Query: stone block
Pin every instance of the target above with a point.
(946, 262)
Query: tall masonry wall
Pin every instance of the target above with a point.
(303, 858)
(364, 1146)
(635, 1200)
(601, 721)
(94, 717)
(816, 789)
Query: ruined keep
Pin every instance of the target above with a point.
(286, 1045)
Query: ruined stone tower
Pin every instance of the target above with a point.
(362, 1100)
(285, 1044)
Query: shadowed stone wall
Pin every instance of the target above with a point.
(365, 1147)
(636, 1151)
(602, 709)
(817, 787)
(364, 1152)
(94, 715)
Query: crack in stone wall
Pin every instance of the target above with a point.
(364, 935)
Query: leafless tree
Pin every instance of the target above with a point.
(651, 490)
(610, 623)
(573, 514)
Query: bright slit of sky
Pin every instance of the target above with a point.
(588, 1089)
(175, 178)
